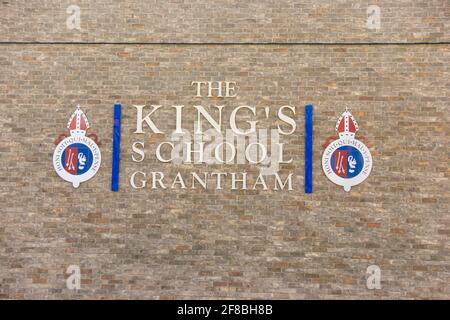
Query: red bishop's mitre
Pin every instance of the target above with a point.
(346, 126)
(78, 123)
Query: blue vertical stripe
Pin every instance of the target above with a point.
(116, 148)
(308, 148)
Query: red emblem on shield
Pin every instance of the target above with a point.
(71, 160)
(340, 163)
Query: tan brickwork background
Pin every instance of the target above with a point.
(222, 243)
(226, 21)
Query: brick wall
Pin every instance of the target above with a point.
(222, 243)
(226, 21)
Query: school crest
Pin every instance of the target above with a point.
(77, 158)
(347, 161)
